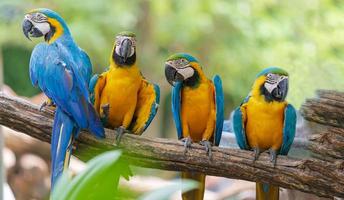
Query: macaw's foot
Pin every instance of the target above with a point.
(273, 156)
(46, 103)
(187, 144)
(207, 146)
(120, 132)
(257, 152)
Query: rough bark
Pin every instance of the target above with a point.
(309, 175)
(326, 109)
(329, 143)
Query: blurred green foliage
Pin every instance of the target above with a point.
(235, 39)
(16, 70)
(100, 180)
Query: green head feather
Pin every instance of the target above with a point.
(127, 34)
(186, 56)
(273, 70)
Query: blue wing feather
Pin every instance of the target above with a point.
(58, 79)
(154, 107)
(219, 100)
(62, 72)
(37, 62)
(86, 66)
(176, 106)
(92, 85)
(289, 129)
(239, 130)
(75, 63)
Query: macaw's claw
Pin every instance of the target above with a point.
(273, 156)
(120, 132)
(45, 104)
(257, 152)
(187, 144)
(207, 146)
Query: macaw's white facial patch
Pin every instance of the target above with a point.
(119, 42)
(43, 27)
(39, 21)
(272, 81)
(270, 87)
(179, 63)
(117, 49)
(182, 66)
(186, 72)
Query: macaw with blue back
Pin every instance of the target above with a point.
(197, 107)
(62, 71)
(124, 99)
(265, 121)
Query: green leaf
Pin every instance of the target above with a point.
(62, 184)
(98, 181)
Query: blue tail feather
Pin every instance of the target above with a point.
(265, 187)
(94, 124)
(266, 191)
(61, 143)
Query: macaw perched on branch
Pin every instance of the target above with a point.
(124, 99)
(197, 106)
(265, 121)
(61, 70)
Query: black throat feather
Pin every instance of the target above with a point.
(120, 61)
(193, 81)
(268, 96)
(50, 34)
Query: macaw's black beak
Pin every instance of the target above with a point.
(281, 91)
(27, 27)
(125, 49)
(172, 75)
(30, 30)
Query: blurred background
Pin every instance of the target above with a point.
(235, 39)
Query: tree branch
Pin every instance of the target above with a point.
(326, 109)
(309, 175)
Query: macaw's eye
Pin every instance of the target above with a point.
(183, 60)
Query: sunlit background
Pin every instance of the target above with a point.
(235, 39)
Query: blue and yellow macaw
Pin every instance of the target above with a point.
(265, 121)
(197, 107)
(62, 71)
(124, 99)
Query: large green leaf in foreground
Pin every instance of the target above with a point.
(98, 181)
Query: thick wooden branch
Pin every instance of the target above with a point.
(326, 109)
(329, 143)
(308, 175)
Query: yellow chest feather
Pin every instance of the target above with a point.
(196, 108)
(264, 125)
(120, 92)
